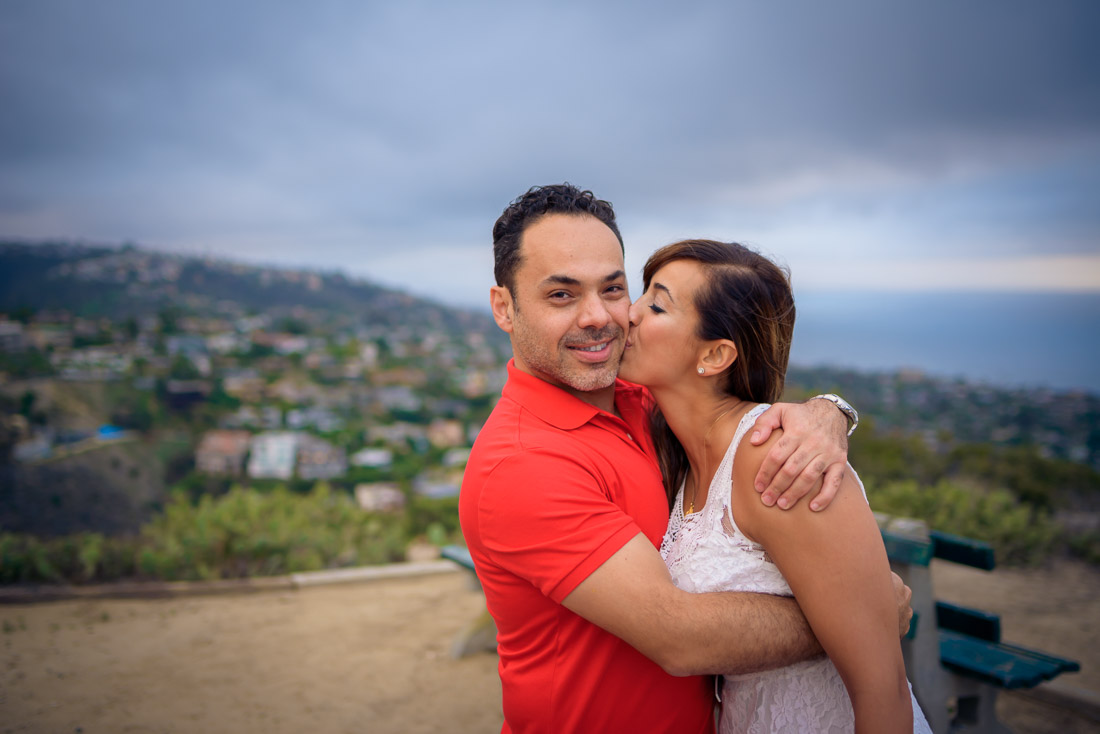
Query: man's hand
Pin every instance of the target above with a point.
(814, 445)
(905, 598)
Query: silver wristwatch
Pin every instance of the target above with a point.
(848, 411)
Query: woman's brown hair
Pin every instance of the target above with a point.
(747, 299)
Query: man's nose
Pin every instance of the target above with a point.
(634, 313)
(594, 313)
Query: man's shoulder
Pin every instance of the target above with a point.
(512, 431)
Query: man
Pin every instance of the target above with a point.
(563, 508)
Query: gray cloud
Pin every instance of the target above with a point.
(336, 133)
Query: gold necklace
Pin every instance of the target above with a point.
(706, 435)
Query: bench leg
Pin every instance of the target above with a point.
(976, 707)
(922, 653)
(478, 636)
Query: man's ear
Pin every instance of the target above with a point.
(500, 301)
(718, 355)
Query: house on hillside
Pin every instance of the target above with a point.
(186, 344)
(273, 455)
(182, 394)
(223, 452)
(44, 336)
(319, 459)
(380, 497)
(397, 397)
(445, 433)
(374, 458)
(245, 384)
(438, 485)
(400, 433)
(11, 337)
(455, 458)
(322, 419)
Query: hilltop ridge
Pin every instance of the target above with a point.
(119, 282)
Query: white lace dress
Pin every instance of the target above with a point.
(707, 552)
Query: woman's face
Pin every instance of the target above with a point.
(662, 347)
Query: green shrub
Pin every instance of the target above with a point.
(424, 513)
(1086, 546)
(242, 533)
(250, 533)
(1019, 533)
(84, 557)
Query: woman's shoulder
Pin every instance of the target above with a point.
(745, 505)
(746, 455)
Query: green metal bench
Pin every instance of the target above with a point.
(481, 633)
(460, 555)
(970, 642)
(957, 667)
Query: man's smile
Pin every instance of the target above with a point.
(594, 352)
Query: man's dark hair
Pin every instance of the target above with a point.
(539, 201)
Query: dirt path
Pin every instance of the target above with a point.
(350, 658)
(373, 657)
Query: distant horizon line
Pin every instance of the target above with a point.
(819, 279)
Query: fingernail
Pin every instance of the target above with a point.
(783, 503)
(815, 506)
(755, 435)
(768, 499)
(759, 486)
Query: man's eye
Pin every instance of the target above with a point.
(559, 295)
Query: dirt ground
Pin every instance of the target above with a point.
(373, 656)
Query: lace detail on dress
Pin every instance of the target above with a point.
(708, 552)
(707, 548)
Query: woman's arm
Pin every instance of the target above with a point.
(836, 565)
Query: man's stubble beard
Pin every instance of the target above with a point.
(556, 364)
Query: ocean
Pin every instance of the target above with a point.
(1020, 339)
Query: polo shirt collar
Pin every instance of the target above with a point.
(549, 402)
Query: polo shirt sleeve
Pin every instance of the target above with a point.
(547, 518)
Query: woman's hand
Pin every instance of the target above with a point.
(812, 453)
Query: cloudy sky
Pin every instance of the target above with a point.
(872, 145)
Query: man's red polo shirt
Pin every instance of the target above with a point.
(553, 488)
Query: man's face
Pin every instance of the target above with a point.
(569, 315)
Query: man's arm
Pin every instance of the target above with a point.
(812, 454)
(632, 596)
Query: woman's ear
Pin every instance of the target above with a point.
(500, 301)
(718, 355)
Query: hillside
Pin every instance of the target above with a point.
(130, 282)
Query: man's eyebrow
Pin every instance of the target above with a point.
(668, 293)
(560, 280)
(568, 280)
(614, 276)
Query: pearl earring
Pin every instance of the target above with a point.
(701, 370)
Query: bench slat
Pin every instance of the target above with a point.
(903, 549)
(971, 622)
(967, 551)
(1007, 666)
(459, 554)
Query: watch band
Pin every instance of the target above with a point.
(848, 411)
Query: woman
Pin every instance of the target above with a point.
(710, 338)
